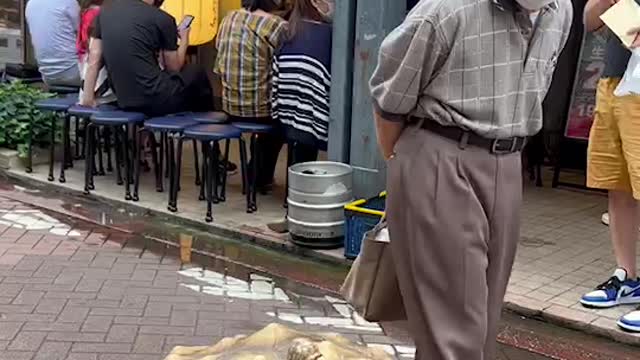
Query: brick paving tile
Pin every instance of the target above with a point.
(122, 333)
(76, 337)
(73, 314)
(149, 344)
(80, 356)
(166, 330)
(16, 355)
(102, 348)
(96, 323)
(128, 320)
(27, 340)
(51, 306)
(53, 351)
(9, 330)
(127, 357)
(184, 318)
(51, 326)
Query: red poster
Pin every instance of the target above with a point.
(583, 99)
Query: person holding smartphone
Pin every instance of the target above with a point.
(132, 38)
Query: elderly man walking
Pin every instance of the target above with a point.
(457, 92)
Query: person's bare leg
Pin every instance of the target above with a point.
(624, 224)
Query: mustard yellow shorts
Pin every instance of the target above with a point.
(613, 159)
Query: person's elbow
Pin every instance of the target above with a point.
(173, 63)
(391, 107)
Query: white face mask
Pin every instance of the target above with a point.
(534, 5)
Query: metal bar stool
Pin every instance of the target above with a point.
(84, 113)
(122, 123)
(215, 183)
(69, 91)
(57, 106)
(216, 118)
(254, 130)
(168, 127)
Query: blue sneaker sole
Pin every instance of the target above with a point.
(609, 304)
(629, 327)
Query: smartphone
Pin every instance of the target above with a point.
(186, 22)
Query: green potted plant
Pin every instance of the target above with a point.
(21, 121)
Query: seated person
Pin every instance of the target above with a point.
(129, 38)
(246, 43)
(302, 80)
(89, 11)
(53, 26)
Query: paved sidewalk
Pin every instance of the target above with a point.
(564, 252)
(70, 290)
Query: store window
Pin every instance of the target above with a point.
(11, 13)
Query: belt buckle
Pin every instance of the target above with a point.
(497, 149)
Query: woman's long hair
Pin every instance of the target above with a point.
(302, 10)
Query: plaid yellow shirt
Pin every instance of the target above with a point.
(246, 44)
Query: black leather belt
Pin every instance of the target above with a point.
(465, 138)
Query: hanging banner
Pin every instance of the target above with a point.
(583, 98)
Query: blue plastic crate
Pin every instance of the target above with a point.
(360, 217)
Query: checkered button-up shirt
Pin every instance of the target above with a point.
(246, 44)
(481, 65)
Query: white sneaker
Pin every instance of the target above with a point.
(605, 218)
(631, 321)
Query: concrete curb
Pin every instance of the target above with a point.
(244, 233)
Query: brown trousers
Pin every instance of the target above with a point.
(454, 221)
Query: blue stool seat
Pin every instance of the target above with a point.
(63, 89)
(169, 123)
(213, 132)
(212, 117)
(247, 127)
(87, 111)
(56, 104)
(117, 117)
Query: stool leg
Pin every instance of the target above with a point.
(157, 164)
(118, 145)
(245, 173)
(107, 148)
(254, 173)
(77, 136)
(127, 163)
(83, 151)
(52, 148)
(204, 171)
(209, 182)
(65, 147)
(96, 136)
(101, 171)
(223, 190)
(539, 176)
(171, 165)
(30, 149)
(166, 150)
(215, 165)
(88, 167)
(176, 176)
(69, 154)
(161, 163)
(197, 161)
(137, 157)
